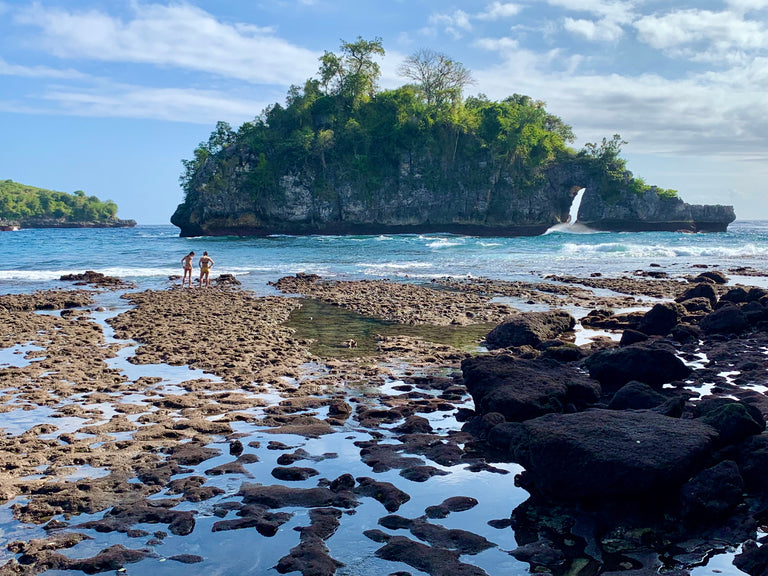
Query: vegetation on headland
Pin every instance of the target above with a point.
(341, 128)
(28, 204)
(613, 169)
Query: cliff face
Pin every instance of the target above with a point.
(471, 192)
(651, 212)
(479, 198)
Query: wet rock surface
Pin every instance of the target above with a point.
(634, 455)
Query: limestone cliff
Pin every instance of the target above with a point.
(478, 198)
(472, 197)
(650, 211)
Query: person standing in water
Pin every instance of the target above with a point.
(205, 263)
(186, 262)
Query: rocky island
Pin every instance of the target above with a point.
(23, 206)
(341, 157)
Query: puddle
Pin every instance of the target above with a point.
(330, 327)
(15, 355)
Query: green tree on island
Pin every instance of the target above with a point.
(22, 203)
(339, 127)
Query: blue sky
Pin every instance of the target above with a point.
(107, 96)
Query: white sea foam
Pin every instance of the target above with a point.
(396, 265)
(566, 228)
(443, 242)
(661, 251)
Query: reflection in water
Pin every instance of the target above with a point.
(331, 327)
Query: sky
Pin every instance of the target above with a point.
(108, 96)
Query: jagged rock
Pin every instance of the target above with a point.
(752, 458)
(651, 212)
(713, 276)
(728, 319)
(660, 319)
(629, 337)
(735, 295)
(700, 290)
(734, 421)
(636, 396)
(712, 493)
(523, 389)
(293, 473)
(651, 364)
(529, 328)
(753, 559)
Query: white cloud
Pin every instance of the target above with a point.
(455, 24)
(499, 11)
(7, 69)
(702, 34)
(748, 5)
(603, 30)
(170, 104)
(501, 45)
(718, 114)
(174, 35)
(615, 10)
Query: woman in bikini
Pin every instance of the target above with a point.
(205, 264)
(186, 262)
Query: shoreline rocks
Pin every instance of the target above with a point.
(624, 465)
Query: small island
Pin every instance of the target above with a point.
(23, 206)
(343, 157)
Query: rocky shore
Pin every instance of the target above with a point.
(641, 446)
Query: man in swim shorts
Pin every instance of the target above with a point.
(186, 262)
(205, 263)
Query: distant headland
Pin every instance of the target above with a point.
(341, 157)
(23, 206)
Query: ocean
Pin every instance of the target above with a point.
(150, 255)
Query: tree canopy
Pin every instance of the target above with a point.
(21, 202)
(341, 124)
(440, 79)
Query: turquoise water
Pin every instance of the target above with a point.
(148, 255)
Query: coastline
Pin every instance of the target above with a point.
(216, 413)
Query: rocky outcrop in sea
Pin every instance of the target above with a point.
(472, 197)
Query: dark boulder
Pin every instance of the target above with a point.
(756, 294)
(735, 295)
(700, 290)
(728, 319)
(652, 364)
(606, 454)
(561, 351)
(636, 396)
(752, 458)
(660, 319)
(754, 312)
(629, 337)
(712, 276)
(685, 333)
(529, 328)
(697, 305)
(712, 493)
(753, 559)
(734, 421)
(523, 389)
